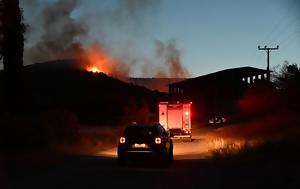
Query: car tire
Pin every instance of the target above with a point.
(164, 159)
(121, 161)
(171, 155)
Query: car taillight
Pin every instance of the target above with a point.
(157, 140)
(122, 140)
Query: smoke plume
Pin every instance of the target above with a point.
(132, 14)
(60, 34)
(57, 31)
(171, 67)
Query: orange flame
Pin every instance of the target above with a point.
(93, 69)
(97, 60)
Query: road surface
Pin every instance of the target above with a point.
(192, 168)
(197, 149)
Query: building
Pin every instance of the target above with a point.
(216, 93)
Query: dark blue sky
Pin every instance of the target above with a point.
(211, 35)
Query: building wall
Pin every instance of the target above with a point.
(214, 96)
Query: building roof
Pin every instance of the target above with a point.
(242, 72)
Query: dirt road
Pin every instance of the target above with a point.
(197, 149)
(192, 168)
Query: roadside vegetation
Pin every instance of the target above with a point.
(270, 126)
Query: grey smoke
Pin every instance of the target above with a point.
(55, 33)
(60, 34)
(170, 56)
(133, 13)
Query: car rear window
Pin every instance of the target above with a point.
(139, 131)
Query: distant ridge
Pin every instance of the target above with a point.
(159, 84)
(65, 64)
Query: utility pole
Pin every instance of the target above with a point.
(268, 50)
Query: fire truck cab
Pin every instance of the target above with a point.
(176, 119)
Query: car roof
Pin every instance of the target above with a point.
(143, 124)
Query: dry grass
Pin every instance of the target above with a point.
(247, 138)
(92, 139)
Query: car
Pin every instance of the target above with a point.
(217, 121)
(144, 141)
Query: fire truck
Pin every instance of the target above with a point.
(175, 117)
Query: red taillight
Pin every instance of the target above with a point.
(186, 113)
(157, 140)
(187, 131)
(122, 140)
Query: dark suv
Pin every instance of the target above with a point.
(146, 141)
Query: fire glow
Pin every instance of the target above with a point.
(98, 60)
(93, 69)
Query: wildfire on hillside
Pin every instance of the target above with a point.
(93, 69)
(97, 60)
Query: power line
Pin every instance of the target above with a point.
(268, 50)
(282, 23)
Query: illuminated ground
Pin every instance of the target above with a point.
(191, 168)
(197, 149)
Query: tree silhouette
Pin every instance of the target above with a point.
(288, 83)
(289, 77)
(12, 38)
(12, 32)
(1, 29)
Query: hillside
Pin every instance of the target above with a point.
(93, 97)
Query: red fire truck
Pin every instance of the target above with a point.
(176, 118)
